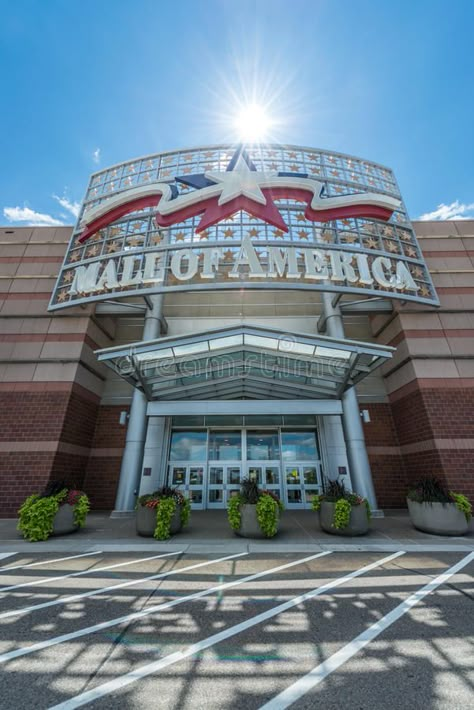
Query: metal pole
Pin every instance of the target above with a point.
(359, 465)
(132, 459)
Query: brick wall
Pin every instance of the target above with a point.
(103, 467)
(46, 436)
(386, 462)
(435, 427)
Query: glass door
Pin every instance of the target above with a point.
(224, 482)
(267, 475)
(302, 467)
(225, 469)
(190, 479)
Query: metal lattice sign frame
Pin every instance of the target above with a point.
(221, 217)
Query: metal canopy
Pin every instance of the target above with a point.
(244, 362)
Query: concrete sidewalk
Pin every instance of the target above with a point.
(209, 531)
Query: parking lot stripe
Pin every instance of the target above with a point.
(101, 590)
(46, 562)
(146, 670)
(320, 672)
(3, 555)
(46, 580)
(10, 655)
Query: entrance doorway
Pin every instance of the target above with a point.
(210, 464)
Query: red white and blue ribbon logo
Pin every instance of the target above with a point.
(218, 195)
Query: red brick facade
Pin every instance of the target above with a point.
(103, 468)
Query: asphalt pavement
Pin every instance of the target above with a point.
(238, 629)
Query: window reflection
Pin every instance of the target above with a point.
(188, 446)
(299, 446)
(225, 445)
(262, 446)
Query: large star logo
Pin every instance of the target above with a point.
(241, 187)
(217, 195)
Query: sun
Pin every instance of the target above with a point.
(252, 123)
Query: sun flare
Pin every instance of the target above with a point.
(252, 123)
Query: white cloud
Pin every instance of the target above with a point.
(72, 207)
(32, 218)
(456, 210)
(96, 156)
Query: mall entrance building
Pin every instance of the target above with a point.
(245, 401)
(228, 312)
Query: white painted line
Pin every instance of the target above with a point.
(47, 562)
(309, 681)
(81, 573)
(101, 590)
(120, 682)
(151, 610)
(3, 555)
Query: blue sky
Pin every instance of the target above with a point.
(88, 83)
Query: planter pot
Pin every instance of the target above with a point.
(358, 521)
(249, 526)
(63, 522)
(437, 518)
(146, 521)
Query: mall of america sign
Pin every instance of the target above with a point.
(222, 217)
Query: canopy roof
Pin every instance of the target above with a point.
(244, 362)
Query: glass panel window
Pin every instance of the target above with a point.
(272, 475)
(292, 475)
(233, 476)
(310, 475)
(299, 446)
(196, 476)
(225, 445)
(294, 495)
(179, 476)
(262, 446)
(216, 496)
(255, 474)
(196, 497)
(216, 475)
(188, 446)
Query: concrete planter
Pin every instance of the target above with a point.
(358, 520)
(437, 518)
(249, 526)
(63, 522)
(146, 521)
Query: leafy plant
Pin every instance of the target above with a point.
(267, 514)
(81, 508)
(335, 492)
(36, 515)
(342, 513)
(233, 511)
(462, 504)
(164, 513)
(432, 490)
(164, 501)
(429, 490)
(267, 506)
(249, 491)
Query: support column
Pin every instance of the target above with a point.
(359, 465)
(130, 470)
(153, 455)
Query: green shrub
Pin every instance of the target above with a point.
(36, 515)
(267, 506)
(335, 492)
